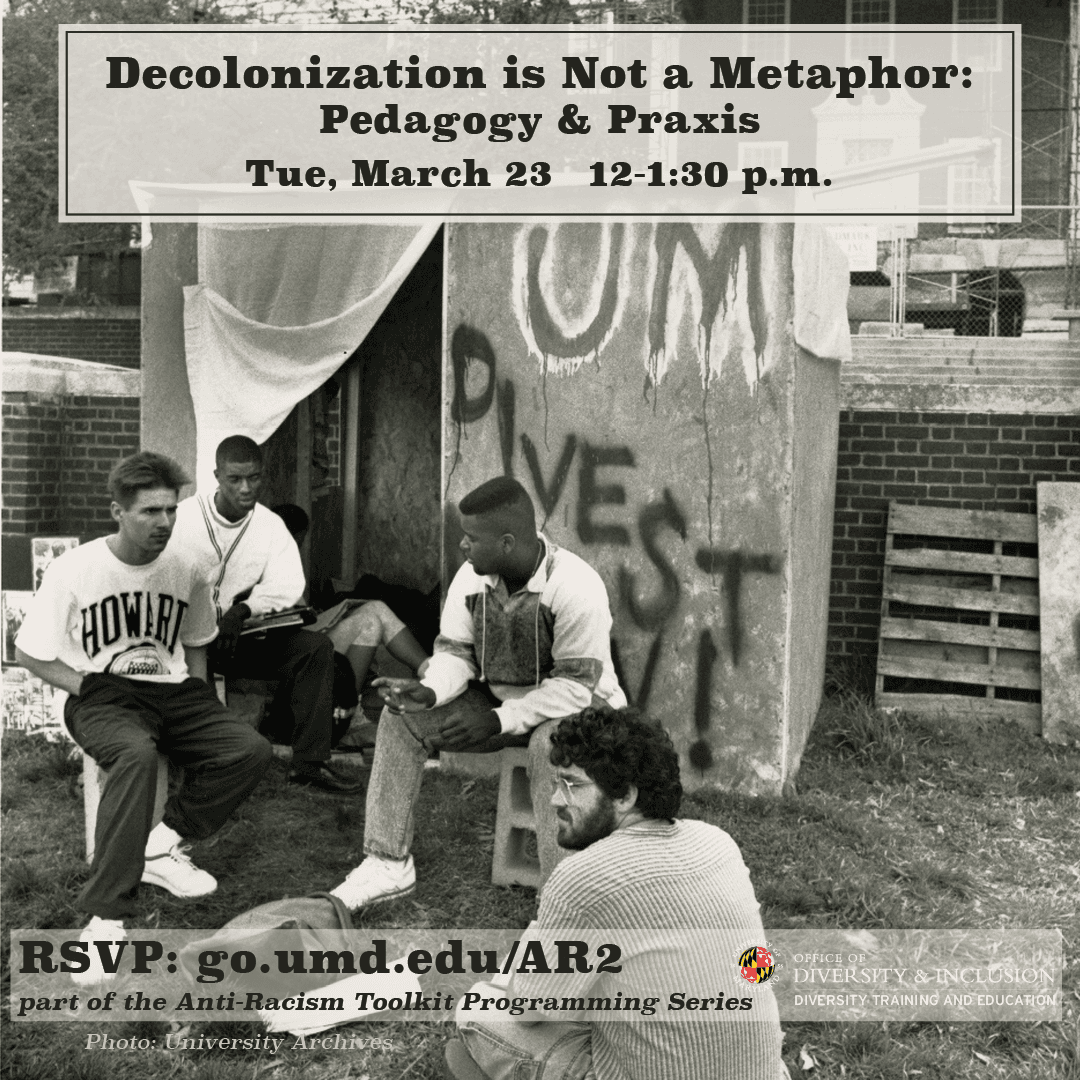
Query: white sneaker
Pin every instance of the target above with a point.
(104, 930)
(174, 872)
(377, 881)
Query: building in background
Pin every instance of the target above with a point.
(973, 278)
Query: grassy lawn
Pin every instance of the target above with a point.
(898, 823)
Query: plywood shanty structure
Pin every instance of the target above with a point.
(959, 619)
(668, 393)
(1059, 598)
(655, 390)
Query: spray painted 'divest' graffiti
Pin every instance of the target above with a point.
(573, 362)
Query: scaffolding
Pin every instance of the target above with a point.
(1072, 241)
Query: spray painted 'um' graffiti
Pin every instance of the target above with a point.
(715, 278)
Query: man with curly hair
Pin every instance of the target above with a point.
(639, 868)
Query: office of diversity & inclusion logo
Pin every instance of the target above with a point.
(757, 964)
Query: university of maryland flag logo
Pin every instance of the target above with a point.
(756, 964)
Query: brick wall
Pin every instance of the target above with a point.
(30, 488)
(972, 461)
(58, 450)
(97, 432)
(103, 340)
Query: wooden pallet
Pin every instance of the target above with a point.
(942, 609)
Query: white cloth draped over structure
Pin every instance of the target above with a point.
(278, 309)
(821, 283)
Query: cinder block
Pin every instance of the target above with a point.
(472, 765)
(93, 781)
(515, 861)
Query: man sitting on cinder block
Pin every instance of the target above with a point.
(121, 625)
(635, 868)
(254, 567)
(524, 640)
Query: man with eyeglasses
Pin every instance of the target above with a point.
(638, 868)
(524, 641)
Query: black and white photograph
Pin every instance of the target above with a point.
(541, 539)
(14, 603)
(46, 548)
(29, 707)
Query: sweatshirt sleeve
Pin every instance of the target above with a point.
(581, 640)
(453, 662)
(282, 583)
(559, 912)
(200, 627)
(49, 619)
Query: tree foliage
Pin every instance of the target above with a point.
(33, 238)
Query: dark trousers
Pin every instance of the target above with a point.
(303, 707)
(123, 724)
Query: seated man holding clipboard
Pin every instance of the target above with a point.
(254, 568)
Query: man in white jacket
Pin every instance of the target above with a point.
(524, 641)
(254, 568)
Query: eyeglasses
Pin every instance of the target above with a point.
(560, 783)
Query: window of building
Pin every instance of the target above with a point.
(860, 46)
(860, 151)
(771, 156)
(771, 48)
(977, 11)
(766, 11)
(979, 55)
(871, 11)
(972, 186)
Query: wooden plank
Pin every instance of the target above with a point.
(964, 562)
(960, 599)
(960, 633)
(350, 470)
(1017, 678)
(1027, 713)
(967, 524)
(934, 650)
(879, 679)
(995, 587)
(302, 490)
(991, 584)
(952, 653)
(959, 654)
(1059, 594)
(1017, 585)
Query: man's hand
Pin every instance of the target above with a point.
(232, 622)
(405, 695)
(54, 672)
(470, 730)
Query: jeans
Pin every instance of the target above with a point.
(507, 1049)
(403, 744)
